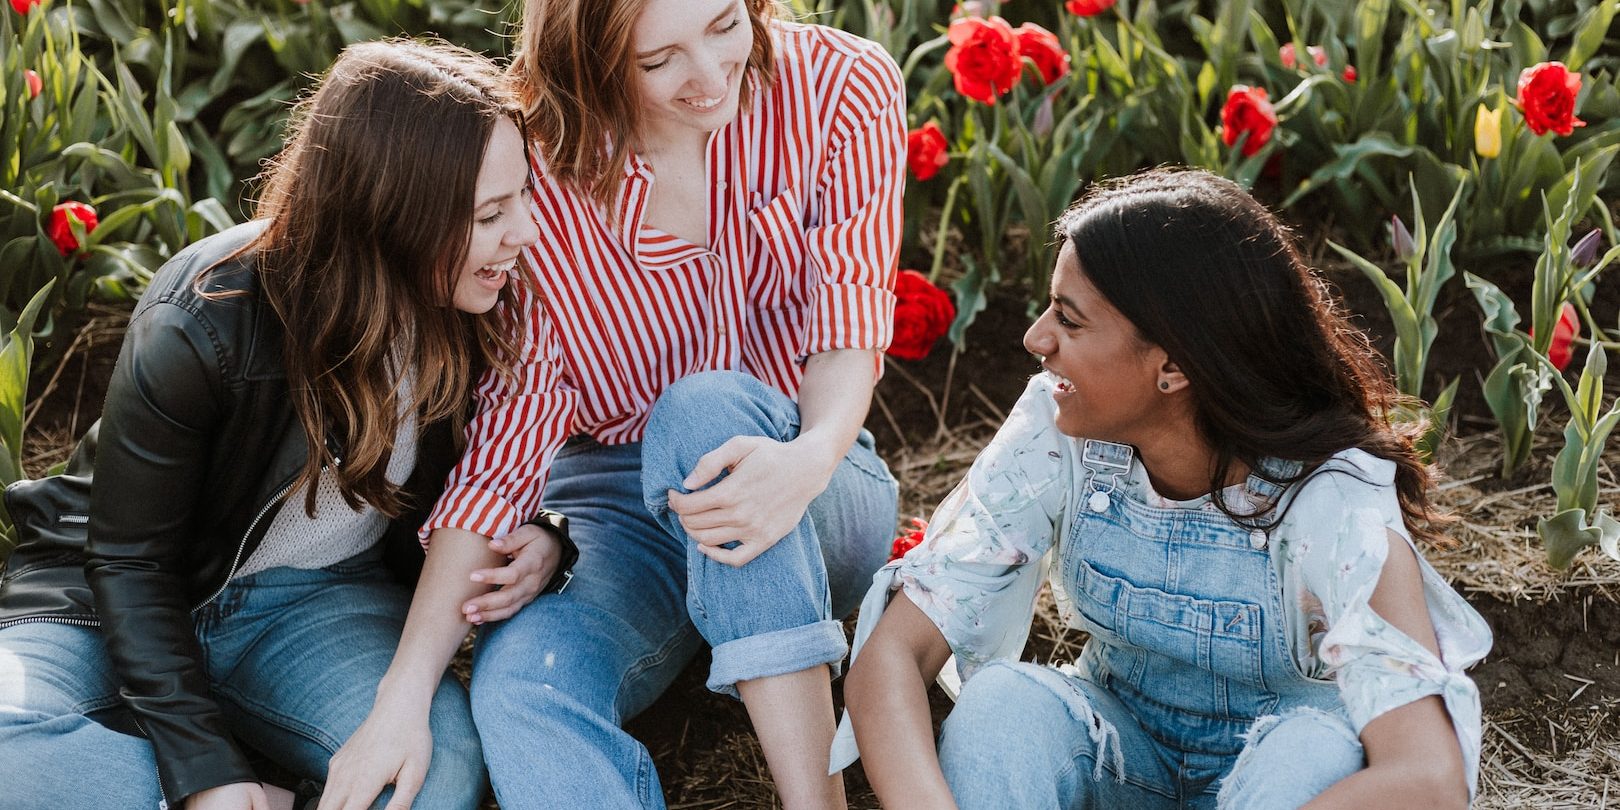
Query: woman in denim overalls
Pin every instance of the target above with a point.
(1207, 473)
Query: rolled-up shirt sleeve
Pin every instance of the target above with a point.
(853, 240)
(520, 421)
(977, 571)
(1336, 564)
(975, 574)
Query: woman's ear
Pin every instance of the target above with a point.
(1171, 379)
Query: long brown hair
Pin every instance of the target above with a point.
(1277, 371)
(575, 71)
(369, 211)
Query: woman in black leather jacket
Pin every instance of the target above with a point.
(285, 409)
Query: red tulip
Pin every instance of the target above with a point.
(35, 84)
(908, 540)
(1349, 74)
(1248, 109)
(22, 6)
(984, 59)
(922, 314)
(1547, 98)
(1043, 48)
(1562, 348)
(1089, 8)
(926, 151)
(61, 233)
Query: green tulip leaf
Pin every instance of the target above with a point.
(1608, 535)
(1564, 535)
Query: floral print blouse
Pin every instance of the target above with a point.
(981, 564)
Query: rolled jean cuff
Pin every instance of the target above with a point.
(777, 653)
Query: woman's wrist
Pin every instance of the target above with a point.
(407, 690)
(820, 452)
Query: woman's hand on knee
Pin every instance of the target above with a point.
(768, 485)
(390, 748)
(235, 796)
(532, 555)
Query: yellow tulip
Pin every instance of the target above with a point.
(1487, 132)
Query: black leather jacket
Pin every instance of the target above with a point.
(198, 442)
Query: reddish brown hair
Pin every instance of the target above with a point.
(574, 71)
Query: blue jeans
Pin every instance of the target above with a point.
(1028, 736)
(294, 658)
(1186, 695)
(552, 685)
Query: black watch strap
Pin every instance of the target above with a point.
(564, 574)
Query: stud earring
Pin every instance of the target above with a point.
(1164, 385)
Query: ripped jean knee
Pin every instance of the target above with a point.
(1024, 735)
(1290, 758)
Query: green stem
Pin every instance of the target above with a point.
(944, 229)
(1606, 344)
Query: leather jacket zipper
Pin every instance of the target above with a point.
(163, 795)
(53, 620)
(241, 546)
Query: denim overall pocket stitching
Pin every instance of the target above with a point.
(1229, 631)
(1223, 632)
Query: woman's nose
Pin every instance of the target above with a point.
(526, 232)
(710, 78)
(1037, 340)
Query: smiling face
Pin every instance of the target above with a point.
(502, 225)
(690, 60)
(1109, 378)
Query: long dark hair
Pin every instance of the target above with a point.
(1276, 370)
(369, 210)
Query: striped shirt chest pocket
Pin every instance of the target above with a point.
(779, 275)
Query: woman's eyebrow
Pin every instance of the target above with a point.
(656, 51)
(1064, 303)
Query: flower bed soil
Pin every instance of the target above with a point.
(1549, 659)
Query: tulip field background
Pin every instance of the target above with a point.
(1448, 165)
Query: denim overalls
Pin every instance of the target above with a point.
(1188, 650)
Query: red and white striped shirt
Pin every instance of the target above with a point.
(804, 232)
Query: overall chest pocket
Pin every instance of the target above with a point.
(1223, 638)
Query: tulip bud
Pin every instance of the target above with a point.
(1487, 132)
(1584, 254)
(1043, 123)
(35, 84)
(1405, 248)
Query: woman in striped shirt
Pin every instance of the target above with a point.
(718, 194)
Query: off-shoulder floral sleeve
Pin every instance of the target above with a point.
(977, 571)
(1336, 540)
